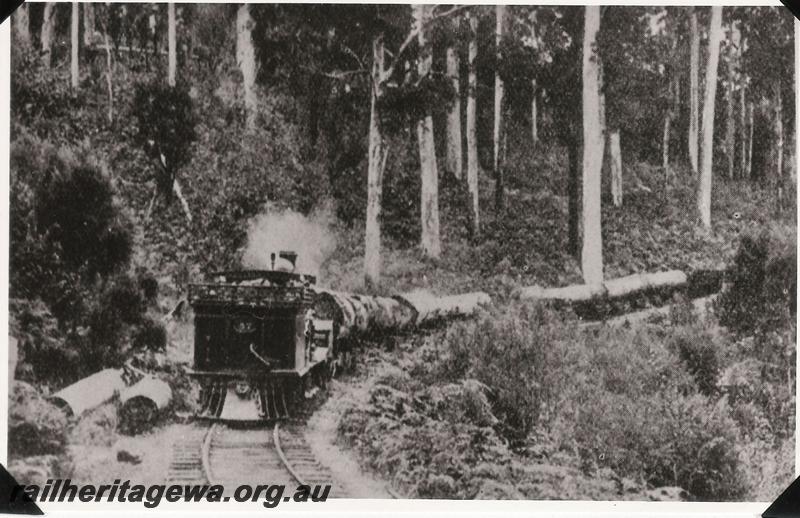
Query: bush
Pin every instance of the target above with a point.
(506, 354)
(42, 99)
(166, 128)
(35, 426)
(117, 321)
(150, 335)
(699, 353)
(643, 408)
(44, 355)
(75, 208)
(67, 230)
(763, 286)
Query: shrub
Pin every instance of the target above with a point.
(699, 353)
(35, 426)
(118, 314)
(506, 353)
(639, 407)
(41, 98)
(166, 128)
(763, 286)
(44, 355)
(75, 208)
(151, 335)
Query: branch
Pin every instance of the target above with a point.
(337, 75)
(453, 10)
(351, 52)
(415, 32)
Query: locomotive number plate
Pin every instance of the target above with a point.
(244, 326)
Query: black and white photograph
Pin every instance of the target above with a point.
(265, 253)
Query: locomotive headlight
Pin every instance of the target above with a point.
(242, 388)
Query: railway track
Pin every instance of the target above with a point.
(234, 455)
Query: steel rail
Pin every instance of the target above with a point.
(277, 441)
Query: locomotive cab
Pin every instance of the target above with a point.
(257, 342)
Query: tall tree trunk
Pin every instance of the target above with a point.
(429, 202)
(796, 111)
(669, 117)
(109, 73)
(601, 111)
(75, 44)
(472, 131)
(377, 161)
(22, 24)
(665, 143)
(730, 129)
(574, 197)
(172, 50)
(743, 131)
(454, 153)
(694, 87)
(88, 24)
(748, 172)
(592, 251)
(246, 59)
(500, 12)
(707, 149)
(534, 114)
(46, 36)
(615, 155)
(778, 102)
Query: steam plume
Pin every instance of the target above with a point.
(272, 231)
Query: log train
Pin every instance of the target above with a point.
(265, 339)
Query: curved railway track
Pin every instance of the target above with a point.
(232, 456)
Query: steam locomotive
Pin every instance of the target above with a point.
(258, 343)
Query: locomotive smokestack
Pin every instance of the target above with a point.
(272, 261)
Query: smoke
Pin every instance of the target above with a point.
(273, 231)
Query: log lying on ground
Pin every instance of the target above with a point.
(614, 288)
(361, 314)
(142, 403)
(430, 308)
(90, 392)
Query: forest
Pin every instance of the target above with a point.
(442, 147)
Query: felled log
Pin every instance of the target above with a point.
(614, 288)
(90, 392)
(142, 403)
(360, 314)
(430, 308)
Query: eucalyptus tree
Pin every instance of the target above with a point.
(21, 24)
(499, 87)
(473, 166)
(246, 59)
(694, 85)
(172, 56)
(767, 61)
(74, 46)
(707, 148)
(592, 249)
(47, 32)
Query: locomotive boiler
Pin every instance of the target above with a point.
(258, 345)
